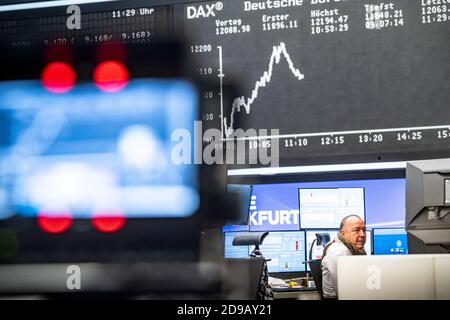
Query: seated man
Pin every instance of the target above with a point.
(350, 241)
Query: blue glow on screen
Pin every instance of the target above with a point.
(390, 241)
(87, 151)
(234, 228)
(231, 251)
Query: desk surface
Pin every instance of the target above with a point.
(296, 293)
(300, 289)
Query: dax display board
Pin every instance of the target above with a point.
(322, 81)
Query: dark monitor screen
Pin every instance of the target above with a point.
(244, 193)
(297, 61)
(390, 241)
(315, 72)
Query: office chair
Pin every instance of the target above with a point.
(316, 270)
(246, 276)
(265, 291)
(315, 265)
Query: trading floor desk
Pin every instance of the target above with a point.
(296, 293)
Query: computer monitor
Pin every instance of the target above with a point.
(88, 153)
(285, 251)
(394, 277)
(91, 163)
(244, 193)
(368, 247)
(324, 208)
(317, 251)
(390, 241)
(231, 251)
(428, 206)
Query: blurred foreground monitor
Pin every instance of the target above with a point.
(90, 153)
(89, 168)
(98, 171)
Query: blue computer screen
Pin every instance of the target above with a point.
(89, 152)
(234, 251)
(285, 251)
(390, 241)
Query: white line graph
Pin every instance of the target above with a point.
(278, 52)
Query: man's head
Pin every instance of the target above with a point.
(353, 229)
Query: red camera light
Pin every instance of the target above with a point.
(58, 77)
(54, 223)
(111, 76)
(108, 224)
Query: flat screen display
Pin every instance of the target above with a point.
(285, 251)
(390, 241)
(231, 251)
(326, 207)
(91, 152)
